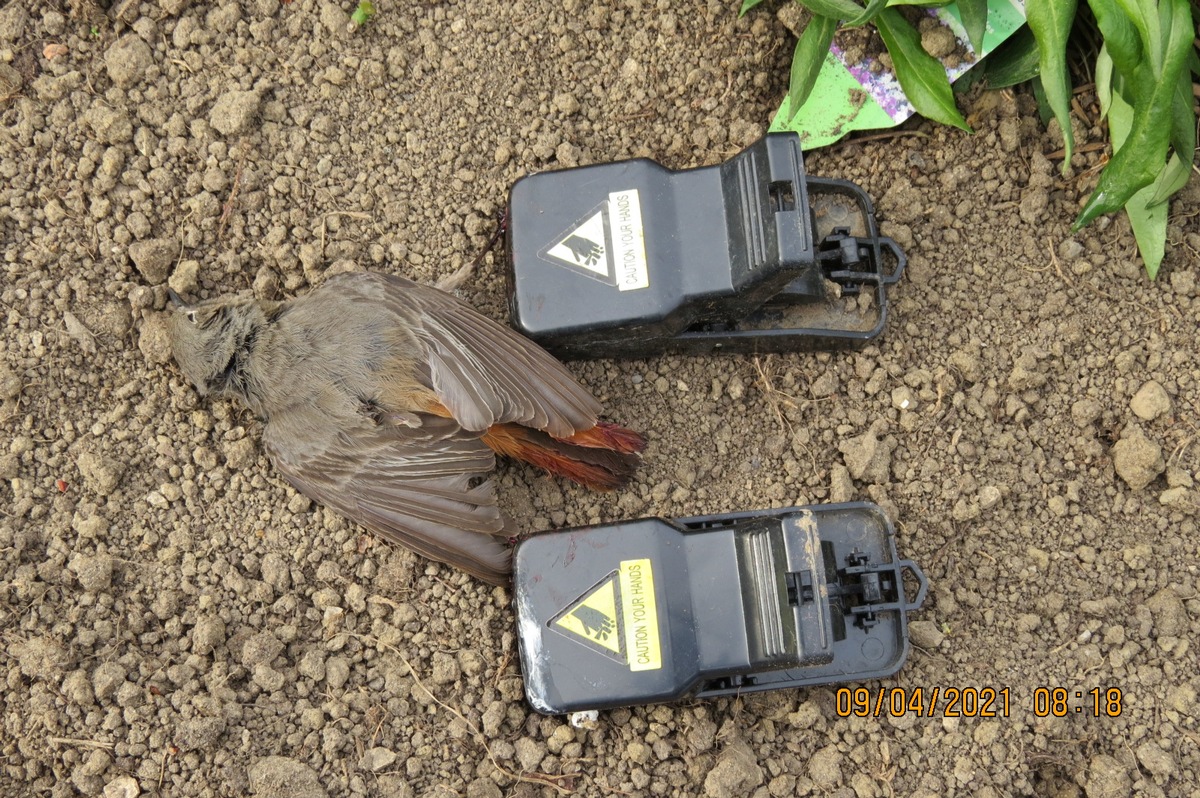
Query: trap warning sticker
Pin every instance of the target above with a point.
(629, 240)
(640, 614)
(593, 619)
(608, 244)
(618, 617)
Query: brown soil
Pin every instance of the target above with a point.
(176, 621)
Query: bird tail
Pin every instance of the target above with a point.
(603, 457)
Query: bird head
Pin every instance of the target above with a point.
(211, 339)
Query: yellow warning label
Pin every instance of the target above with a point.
(594, 617)
(640, 613)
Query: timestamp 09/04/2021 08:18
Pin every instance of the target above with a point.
(976, 702)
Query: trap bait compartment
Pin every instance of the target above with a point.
(631, 259)
(657, 610)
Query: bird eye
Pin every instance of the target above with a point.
(191, 314)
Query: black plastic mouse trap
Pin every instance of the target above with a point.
(751, 255)
(652, 610)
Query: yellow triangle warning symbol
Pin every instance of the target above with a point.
(594, 617)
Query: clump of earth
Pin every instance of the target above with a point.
(177, 621)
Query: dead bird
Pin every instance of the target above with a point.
(387, 400)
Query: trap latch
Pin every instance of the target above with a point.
(865, 589)
(633, 259)
(851, 261)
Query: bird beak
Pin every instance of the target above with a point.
(175, 300)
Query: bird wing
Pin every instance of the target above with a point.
(408, 483)
(482, 371)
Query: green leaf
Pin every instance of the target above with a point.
(1013, 62)
(921, 3)
(747, 5)
(922, 76)
(838, 9)
(1183, 114)
(1039, 94)
(1171, 181)
(1050, 21)
(811, 49)
(1144, 15)
(1104, 80)
(1120, 36)
(974, 15)
(365, 10)
(1149, 225)
(1140, 159)
(869, 13)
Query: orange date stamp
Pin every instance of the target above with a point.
(975, 702)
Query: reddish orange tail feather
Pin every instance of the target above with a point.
(602, 458)
(606, 435)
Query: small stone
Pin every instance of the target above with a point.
(240, 454)
(1107, 779)
(377, 759)
(1170, 614)
(989, 497)
(824, 385)
(925, 634)
(39, 657)
(127, 60)
(283, 777)
(903, 399)
(206, 458)
(841, 486)
(566, 103)
(77, 688)
(1085, 411)
(107, 679)
(207, 635)
(11, 384)
(235, 112)
(825, 767)
(94, 573)
(100, 474)
(267, 678)
(484, 788)
(1154, 759)
(1151, 401)
(736, 773)
(530, 753)
(122, 787)
(445, 669)
(153, 257)
(186, 278)
(1179, 478)
(337, 672)
(199, 734)
(109, 125)
(1137, 460)
(10, 79)
(154, 342)
(1176, 497)
(1025, 374)
(261, 649)
(312, 665)
(938, 41)
(868, 458)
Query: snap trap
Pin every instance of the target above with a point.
(656, 610)
(751, 255)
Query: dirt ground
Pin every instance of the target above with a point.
(176, 621)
